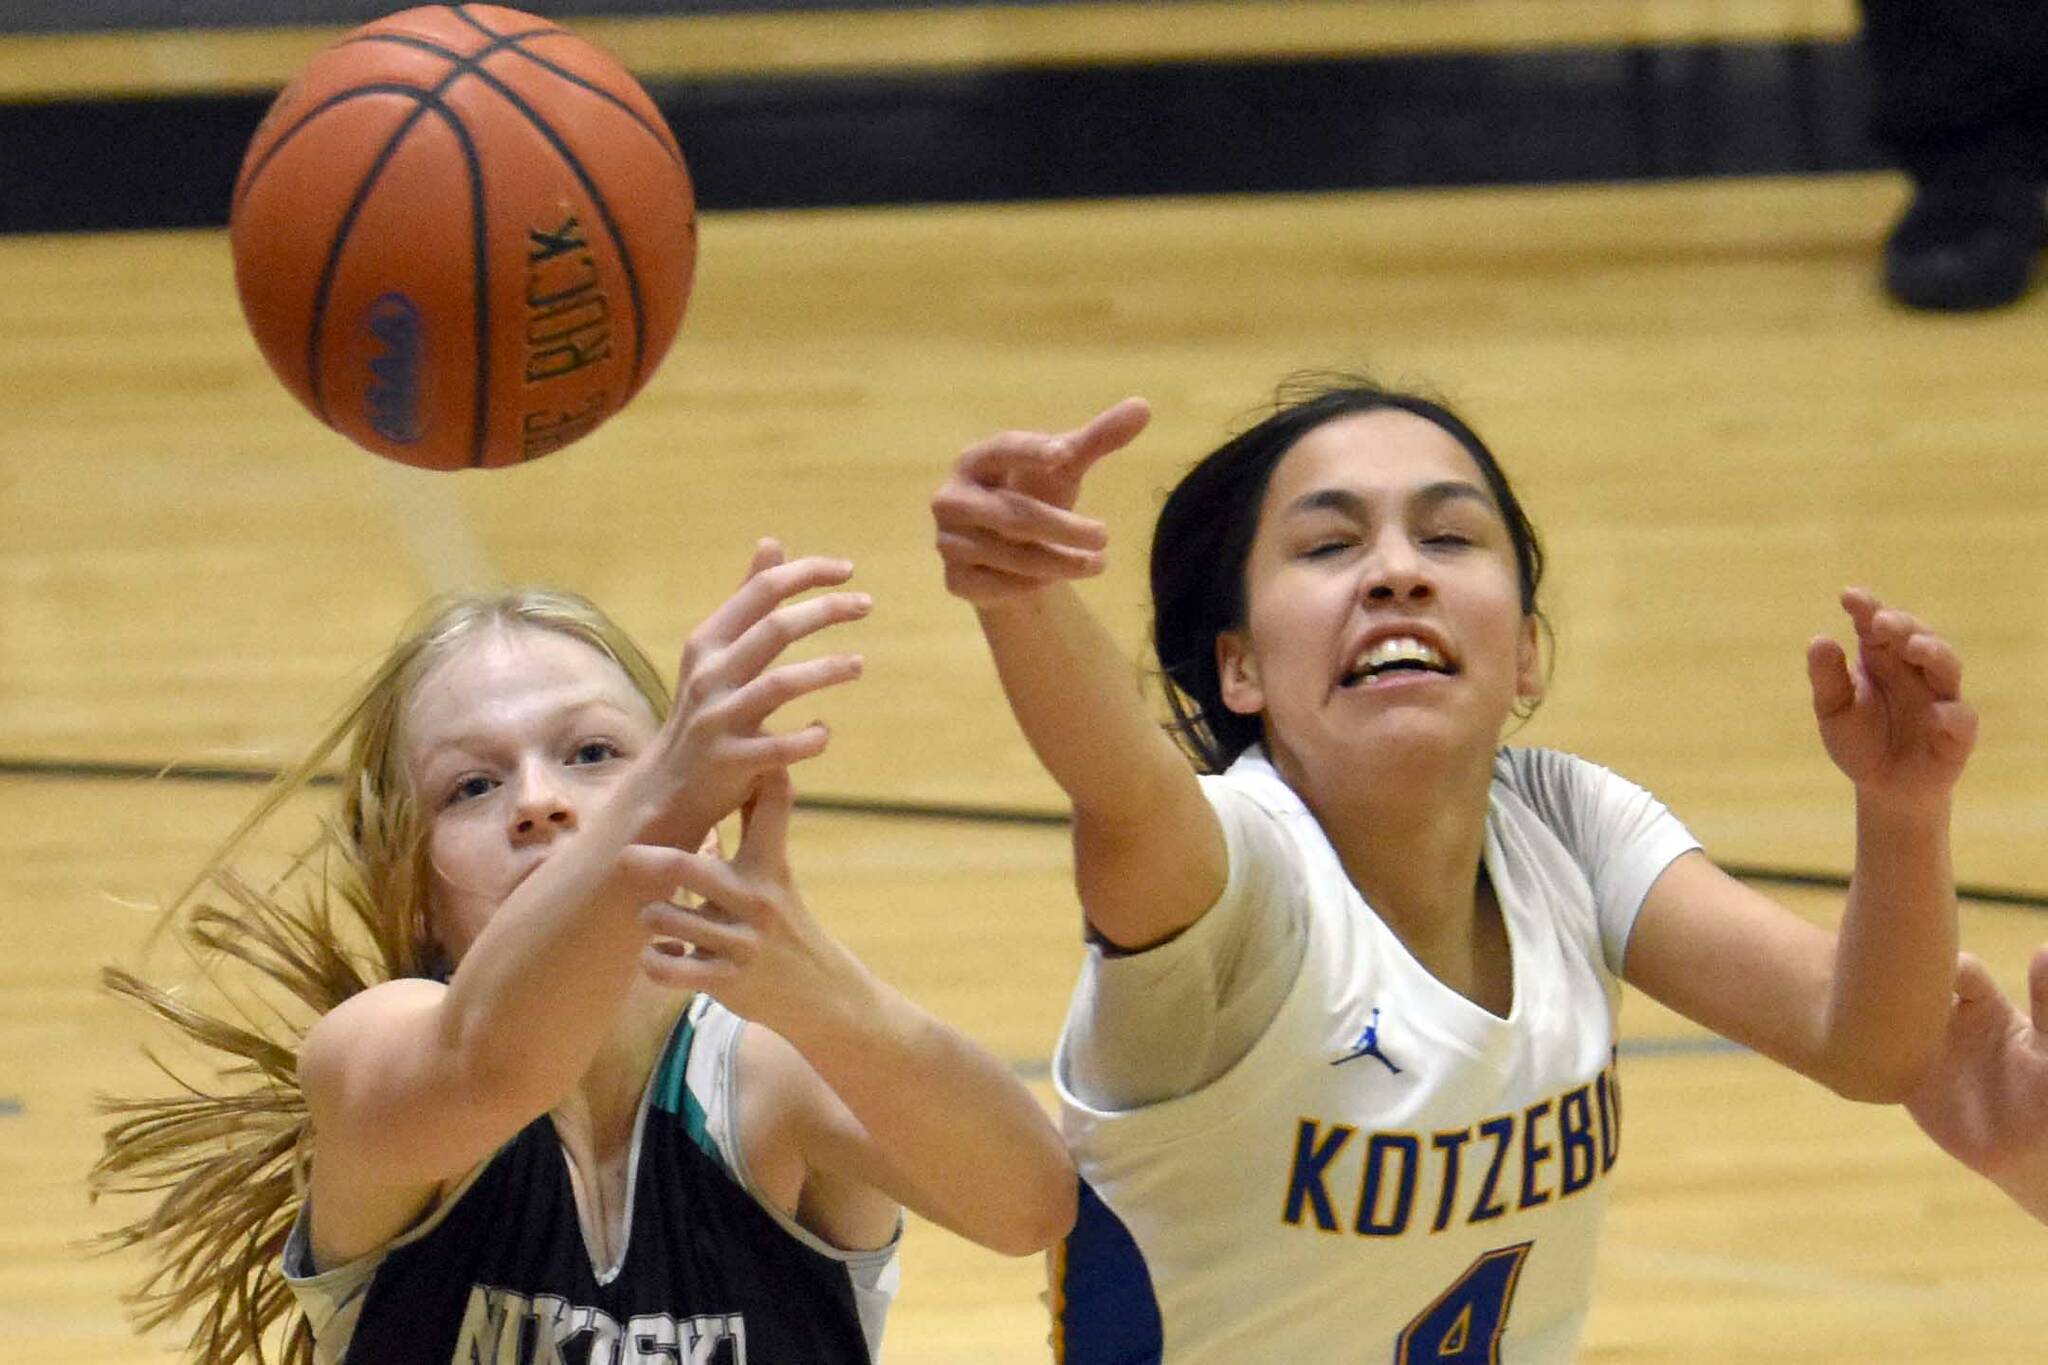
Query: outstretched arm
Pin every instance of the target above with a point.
(1861, 1009)
(1985, 1100)
(1149, 854)
(871, 1101)
(412, 1082)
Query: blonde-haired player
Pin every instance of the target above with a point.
(532, 1126)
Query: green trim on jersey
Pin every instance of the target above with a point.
(672, 1093)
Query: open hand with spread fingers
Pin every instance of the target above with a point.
(1893, 719)
(748, 939)
(1985, 1100)
(1006, 520)
(713, 750)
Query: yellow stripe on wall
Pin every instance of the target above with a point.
(228, 60)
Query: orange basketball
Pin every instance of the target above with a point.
(463, 236)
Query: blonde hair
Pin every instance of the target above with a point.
(228, 1161)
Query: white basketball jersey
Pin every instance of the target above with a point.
(1392, 1173)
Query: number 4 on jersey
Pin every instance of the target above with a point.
(1464, 1325)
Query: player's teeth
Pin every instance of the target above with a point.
(1401, 649)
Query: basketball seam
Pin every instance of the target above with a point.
(668, 144)
(604, 212)
(504, 43)
(247, 180)
(576, 168)
(480, 281)
(432, 99)
(426, 100)
(423, 101)
(568, 156)
(263, 163)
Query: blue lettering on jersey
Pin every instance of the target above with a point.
(1575, 1138)
(1534, 1154)
(1501, 1130)
(1452, 1145)
(1381, 1214)
(1305, 1183)
(1524, 1159)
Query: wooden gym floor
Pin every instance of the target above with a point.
(1714, 417)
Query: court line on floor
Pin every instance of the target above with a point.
(2022, 898)
(1040, 1068)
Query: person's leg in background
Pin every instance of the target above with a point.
(1960, 101)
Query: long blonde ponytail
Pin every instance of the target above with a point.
(226, 1159)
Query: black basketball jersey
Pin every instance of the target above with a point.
(706, 1276)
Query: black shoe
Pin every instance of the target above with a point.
(1965, 246)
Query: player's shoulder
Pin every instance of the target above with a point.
(708, 1024)
(1553, 778)
(339, 1032)
(1530, 764)
(1252, 784)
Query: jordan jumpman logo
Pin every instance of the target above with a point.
(1368, 1045)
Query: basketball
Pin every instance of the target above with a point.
(463, 237)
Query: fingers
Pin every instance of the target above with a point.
(2037, 988)
(969, 508)
(1827, 669)
(678, 966)
(759, 753)
(703, 930)
(1005, 521)
(1899, 641)
(749, 706)
(698, 946)
(1952, 730)
(1974, 981)
(650, 872)
(1895, 645)
(1036, 563)
(764, 588)
(1940, 667)
(1110, 430)
(1074, 451)
(767, 554)
(997, 542)
(714, 881)
(742, 660)
(723, 684)
(1861, 604)
(764, 822)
